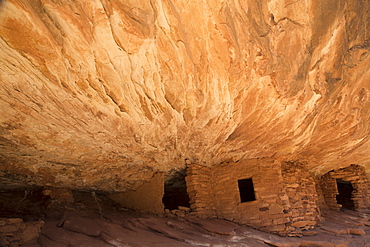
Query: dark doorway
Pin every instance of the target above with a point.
(246, 190)
(175, 193)
(344, 197)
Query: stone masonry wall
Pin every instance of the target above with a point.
(200, 191)
(354, 174)
(330, 191)
(285, 202)
(269, 211)
(302, 194)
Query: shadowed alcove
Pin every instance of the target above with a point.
(177, 123)
(344, 196)
(346, 188)
(175, 193)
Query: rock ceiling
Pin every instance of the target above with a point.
(101, 94)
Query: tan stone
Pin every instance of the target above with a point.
(61, 195)
(357, 177)
(185, 209)
(30, 233)
(14, 221)
(357, 231)
(304, 223)
(275, 209)
(280, 221)
(9, 228)
(147, 198)
(106, 99)
(102, 107)
(268, 210)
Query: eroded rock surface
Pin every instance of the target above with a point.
(122, 229)
(94, 220)
(15, 232)
(102, 94)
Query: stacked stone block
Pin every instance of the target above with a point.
(285, 201)
(200, 191)
(330, 191)
(357, 176)
(15, 232)
(302, 195)
(267, 212)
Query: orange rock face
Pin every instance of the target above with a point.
(103, 94)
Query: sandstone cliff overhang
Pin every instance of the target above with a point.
(104, 94)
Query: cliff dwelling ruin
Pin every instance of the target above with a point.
(238, 115)
(348, 188)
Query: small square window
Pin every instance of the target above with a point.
(246, 190)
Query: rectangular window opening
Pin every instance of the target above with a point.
(246, 190)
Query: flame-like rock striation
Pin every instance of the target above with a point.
(101, 94)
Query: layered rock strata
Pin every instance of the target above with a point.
(103, 94)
